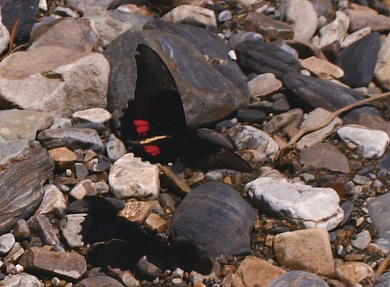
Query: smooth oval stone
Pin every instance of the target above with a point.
(216, 219)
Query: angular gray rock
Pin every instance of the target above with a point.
(324, 155)
(54, 79)
(115, 148)
(72, 138)
(313, 206)
(248, 137)
(20, 124)
(131, 177)
(384, 280)
(24, 166)
(109, 24)
(370, 143)
(379, 211)
(362, 240)
(41, 225)
(358, 60)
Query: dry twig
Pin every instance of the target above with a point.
(331, 117)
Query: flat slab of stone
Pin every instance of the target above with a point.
(94, 115)
(370, 143)
(313, 206)
(21, 124)
(322, 68)
(365, 18)
(308, 250)
(24, 167)
(268, 26)
(264, 84)
(325, 155)
(72, 138)
(67, 265)
(98, 281)
(131, 177)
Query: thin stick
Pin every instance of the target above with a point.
(14, 31)
(382, 267)
(332, 116)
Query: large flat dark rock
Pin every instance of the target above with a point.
(24, 167)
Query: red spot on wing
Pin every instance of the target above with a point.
(152, 150)
(142, 126)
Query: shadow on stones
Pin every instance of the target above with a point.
(119, 243)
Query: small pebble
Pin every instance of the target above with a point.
(6, 242)
(224, 16)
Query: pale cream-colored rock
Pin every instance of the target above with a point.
(94, 115)
(63, 156)
(304, 17)
(352, 272)
(54, 79)
(131, 177)
(334, 31)
(307, 249)
(355, 36)
(156, 222)
(189, 14)
(322, 68)
(314, 118)
(264, 84)
(138, 211)
(53, 199)
(84, 188)
(254, 272)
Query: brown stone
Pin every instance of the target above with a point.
(324, 155)
(307, 249)
(138, 211)
(267, 26)
(352, 272)
(264, 84)
(63, 156)
(68, 265)
(322, 68)
(254, 272)
(156, 222)
(365, 18)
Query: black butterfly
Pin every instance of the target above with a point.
(154, 123)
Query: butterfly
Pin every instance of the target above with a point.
(154, 124)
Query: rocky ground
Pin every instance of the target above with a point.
(265, 79)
